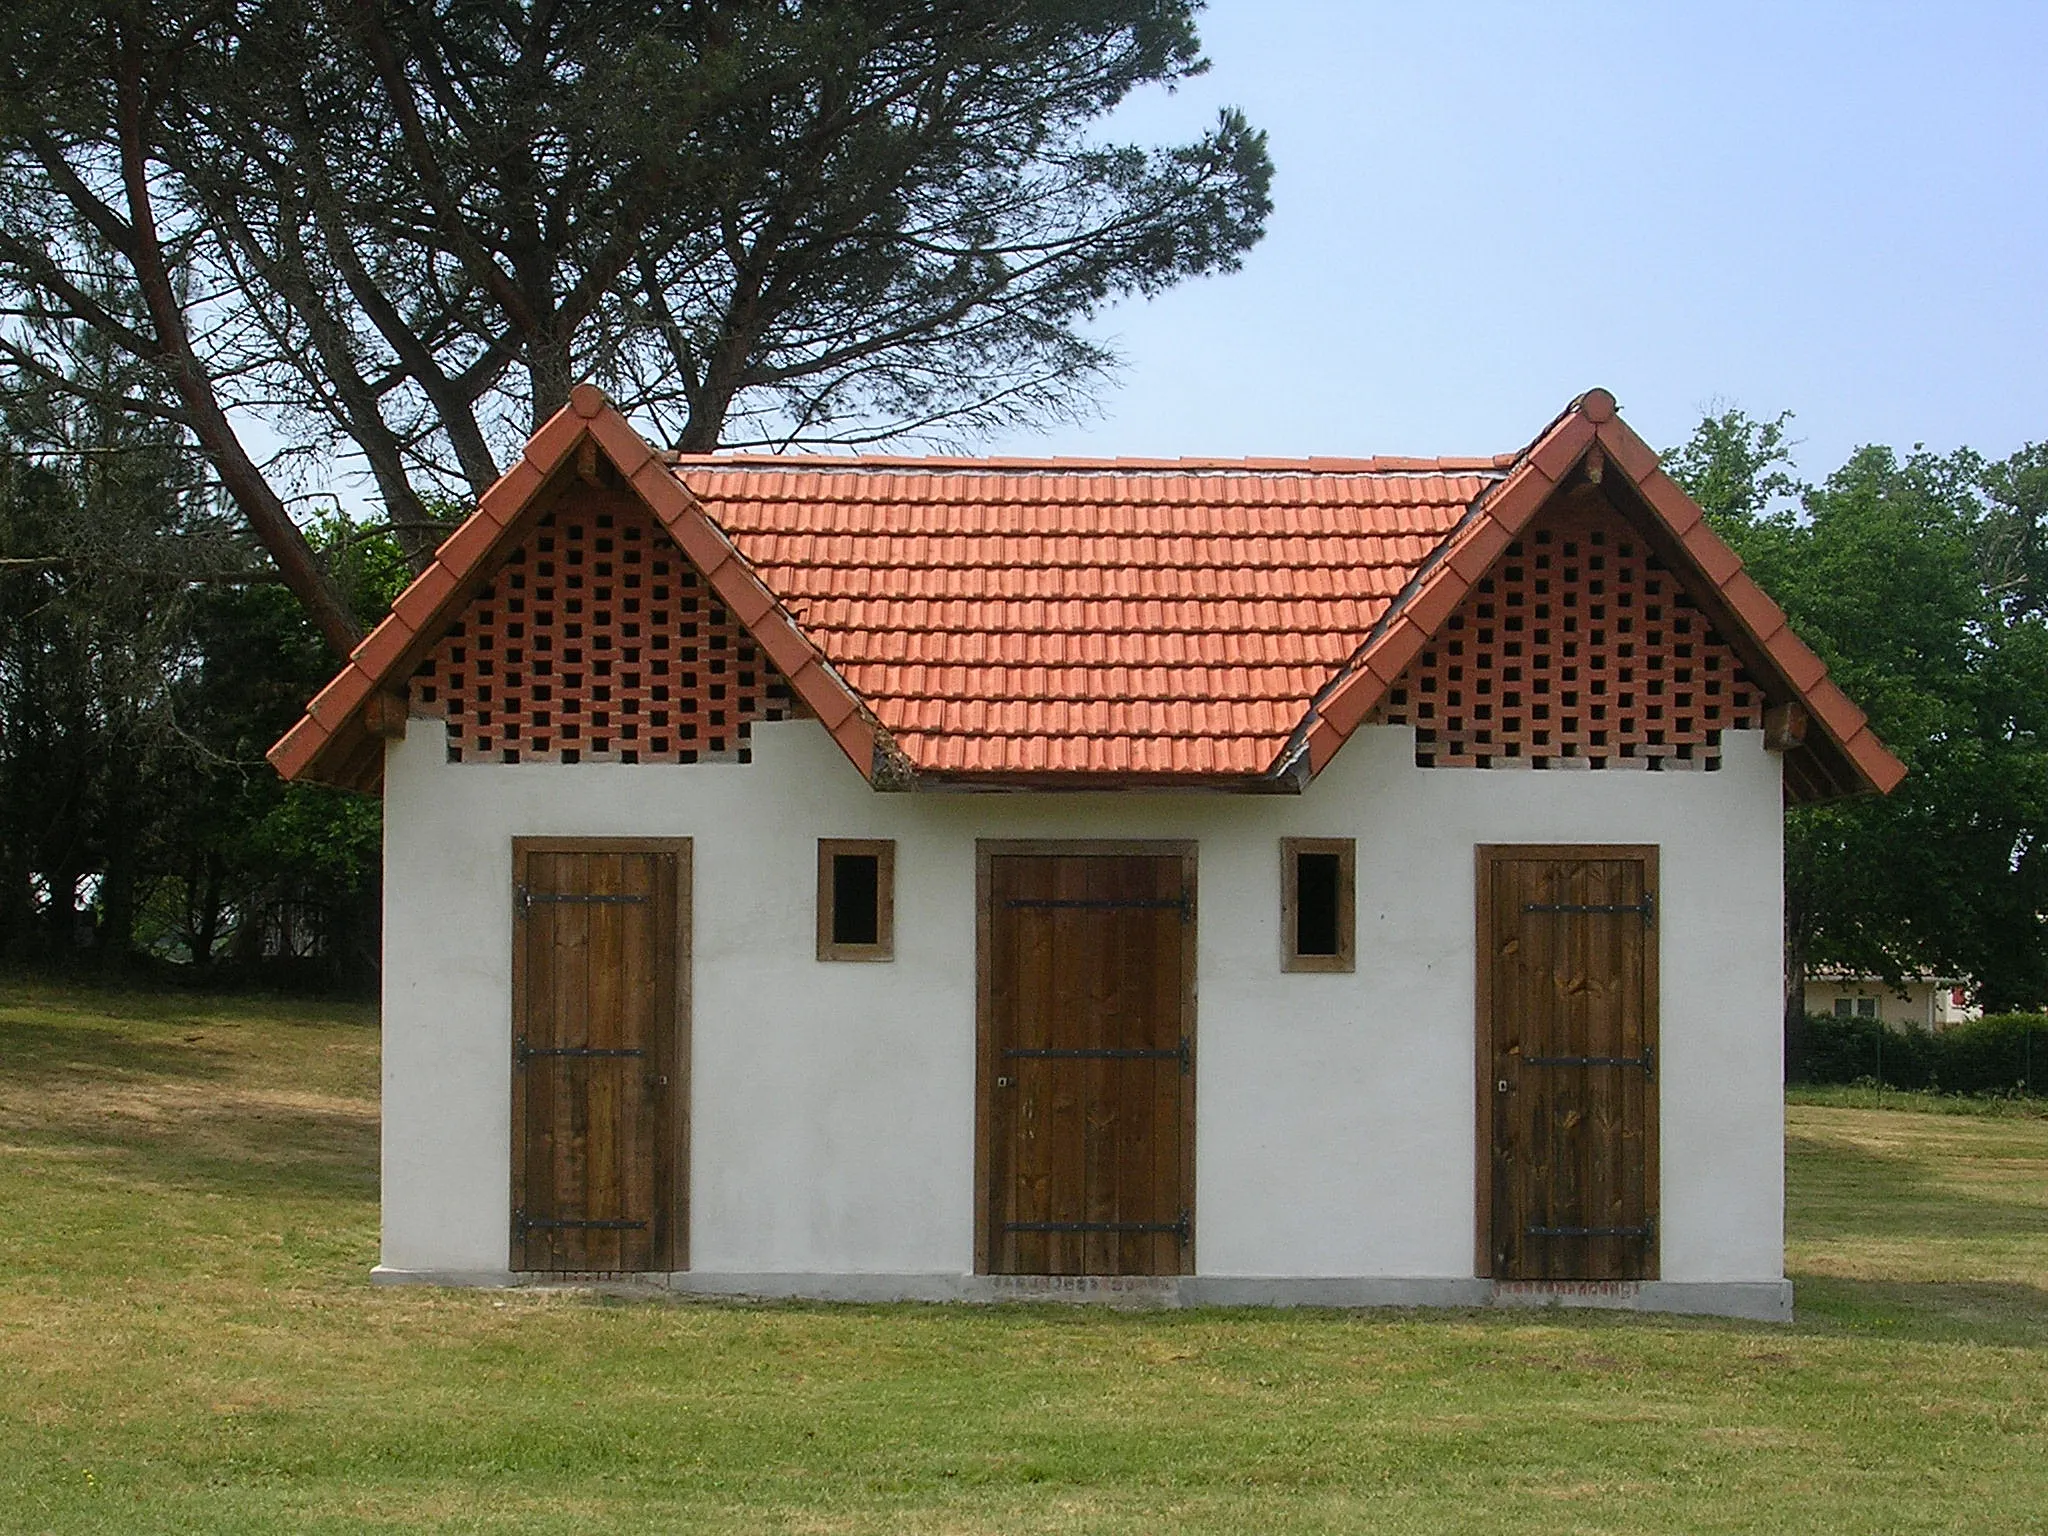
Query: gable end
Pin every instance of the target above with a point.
(597, 640)
(1580, 648)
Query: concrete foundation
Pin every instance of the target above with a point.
(1756, 1301)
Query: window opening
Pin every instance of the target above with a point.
(856, 899)
(1317, 876)
(856, 892)
(1315, 904)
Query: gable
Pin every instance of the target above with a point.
(1580, 648)
(1076, 623)
(340, 739)
(597, 640)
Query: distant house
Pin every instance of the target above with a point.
(1350, 881)
(1921, 1002)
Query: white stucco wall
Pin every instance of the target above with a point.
(832, 1107)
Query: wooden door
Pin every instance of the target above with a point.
(1568, 1062)
(599, 1094)
(1087, 1061)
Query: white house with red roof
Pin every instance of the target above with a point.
(1352, 881)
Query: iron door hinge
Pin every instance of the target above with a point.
(529, 899)
(1647, 1061)
(1184, 903)
(523, 1052)
(1181, 1228)
(1646, 908)
(1647, 1231)
(524, 1224)
(1181, 1053)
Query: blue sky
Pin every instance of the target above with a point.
(1482, 210)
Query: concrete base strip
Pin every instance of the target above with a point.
(1758, 1300)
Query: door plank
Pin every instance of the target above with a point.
(1167, 999)
(570, 1176)
(599, 1078)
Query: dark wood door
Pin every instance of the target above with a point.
(597, 1081)
(1087, 1064)
(1568, 1057)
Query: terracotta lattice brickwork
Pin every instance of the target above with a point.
(1579, 649)
(597, 641)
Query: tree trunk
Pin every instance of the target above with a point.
(239, 476)
(115, 939)
(205, 909)
(548, 368)
(60, 922)
(1795, 1006)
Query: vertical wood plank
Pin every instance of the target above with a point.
(1649, 1014)
(1099, 994)
(524, 983)
(571, 1247)
(1170, 999)
(1068, 1028)
(635, 1079)
(679, 1015)
(603, 1191)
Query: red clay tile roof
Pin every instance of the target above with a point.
(1090, 621)
(1086, 617)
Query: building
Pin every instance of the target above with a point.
(1342, 881)
(1918, 1002)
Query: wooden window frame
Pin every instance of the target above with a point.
(884, 851)
(1345, 960)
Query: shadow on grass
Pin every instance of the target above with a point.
(31, 1052)
(259, 1153)
(110, 1001)
(1836, 1192)
(1935, 1312)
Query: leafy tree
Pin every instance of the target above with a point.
(406, 228)
(1918, 580)
(147, 658)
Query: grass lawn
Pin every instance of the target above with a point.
(188, 1342)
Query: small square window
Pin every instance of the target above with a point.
(1317, 876)
(856, 899)
(1845, 1007)
(1866, 1007)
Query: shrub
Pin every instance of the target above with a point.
(2006, 1053)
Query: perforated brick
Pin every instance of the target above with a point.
(598, 641)
(1578, 649)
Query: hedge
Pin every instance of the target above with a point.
(2006, 1053)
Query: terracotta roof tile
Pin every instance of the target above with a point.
(1100, 616)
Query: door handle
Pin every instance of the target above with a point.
(1503, 1087)
(657, 1079)
(1005, 1082)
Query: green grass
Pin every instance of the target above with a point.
(188, 1342)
